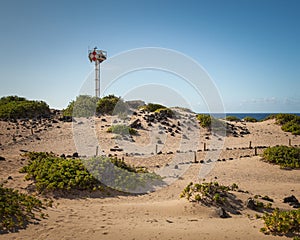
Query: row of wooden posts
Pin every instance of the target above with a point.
(204, 149)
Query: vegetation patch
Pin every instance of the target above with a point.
(116, 174)
(165, 111)
(122, 130)
(51, 173)
(289, 122)
(14, 107)
(232, 119)
(271, 116)
(83, 106)
(87, 106)
(212, 124)
(17, 210)
(152, 107)
(283, 118)
(250, 119)
(208, 193)
(157, 108)
(283, 155)
(204, 120)
(112, 105)
(282, 222)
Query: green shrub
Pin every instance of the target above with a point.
(17, 209)
(52, 173)
(152, 107)
(116, 174)
(283, 118)
(262, 206)
(165, 111)
(281, 222)
(271, 116)
(83, 106)
(212, 124)
(250, 119)
(122, 130)
(232, 119)
(283, 155)
(112, 105)
(157, 108)
(289, 122)
(69, 110)
(204, 120)
(292, 126)
(87, 106)
(208, 193)
(19, 107)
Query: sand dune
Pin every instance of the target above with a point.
(161, 214)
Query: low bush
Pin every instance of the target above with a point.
(283, 155)
(262, 206)
(116, 174)
(283, 118)
(87, 106)
(112, 105)
(51, 173)
(157, 108)
(122, 130)
(212, 124)
(208, 193)
(204, 120)
(152, 107)
(232, 119)
(17, 209)
(83, 106)
(165, 111)
(271, 116)
(289, 123)
(292, 126)
(250, 119)
(18, 107)
(281, 222)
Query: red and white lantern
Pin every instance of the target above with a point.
(97, 55)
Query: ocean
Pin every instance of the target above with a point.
(258, 116)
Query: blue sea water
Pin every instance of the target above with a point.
(258, 116)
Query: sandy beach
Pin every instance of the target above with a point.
(160, 214)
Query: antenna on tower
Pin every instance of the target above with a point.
(97, 56)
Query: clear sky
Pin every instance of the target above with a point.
(250, 48)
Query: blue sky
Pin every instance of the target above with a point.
(249, 48)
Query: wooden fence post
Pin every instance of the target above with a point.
(97, 147)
